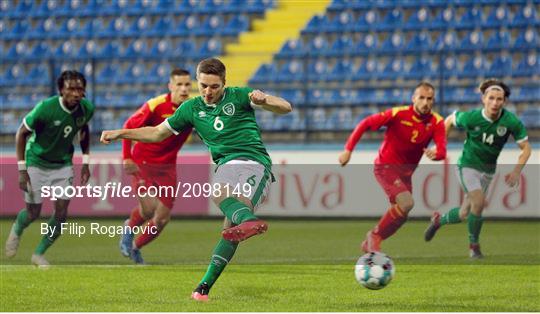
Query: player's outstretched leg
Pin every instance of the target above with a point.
(372, 243)
(53, 232)
(126, 240)
(221, 256)
(247, 224)
(21, 222)
(389, 223)
(474, 225)
(438, 220)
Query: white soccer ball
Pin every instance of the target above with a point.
(374, 270)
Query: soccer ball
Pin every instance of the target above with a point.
(374, 270)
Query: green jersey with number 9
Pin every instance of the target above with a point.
(486, 138)
(228, 128)
(53, 128)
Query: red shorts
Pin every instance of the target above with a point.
(394, 179)
(162, 175)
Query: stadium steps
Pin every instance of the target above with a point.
(267, 36)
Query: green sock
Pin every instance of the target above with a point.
(474, 224)
(236, 211)
(451, 217)
(49, 238)
(222, 255)
(21, 222)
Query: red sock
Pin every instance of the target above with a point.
(390, 222)
(135, 219)
(150, 233)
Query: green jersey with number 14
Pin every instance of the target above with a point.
(486, 138)
(228, 128)
(54, 126)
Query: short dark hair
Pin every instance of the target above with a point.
(179, 72)
(425, 84)
(70, 75)
(212, 66)
(491, 82)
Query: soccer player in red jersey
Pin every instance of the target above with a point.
(154, 164)
(409, 131)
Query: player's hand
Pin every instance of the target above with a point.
(430, 153)
(344, 157)
(108, 136)
(85, 174)
(24, 181)
(512, 179)
(130, 167)
(257, 97)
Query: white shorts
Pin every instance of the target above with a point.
(248, 177)
(472, 179)
(40, 177)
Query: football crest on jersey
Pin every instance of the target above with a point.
(501, 131)
(79, 121)
(228, 109)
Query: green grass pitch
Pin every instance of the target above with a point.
(296, 266)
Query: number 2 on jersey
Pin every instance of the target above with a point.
(218, 124)
(414, 136)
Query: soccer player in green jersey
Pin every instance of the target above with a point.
(46, 158)
(224, 118)
(488, 130)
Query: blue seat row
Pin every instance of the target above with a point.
(92, 8)
(338, 5)
(119, 27)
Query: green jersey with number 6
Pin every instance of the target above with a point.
(54, 126)
(228, 128)
(486, 138)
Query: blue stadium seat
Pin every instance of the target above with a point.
(139, 28)
(449, 67)
(395, 96)
(164, 25)
(528, 66)
(41, 50)
(3, 28)
(527, 40)
(89, 49)
(185, 49)
(421, 68)
(14, 75)
(112, 49)
(294, 96)
(394, 69)
(474, 67)
(18, 50)
(292, 48)
(446, 42)
(22, 8)
(418, 43)
(338, 5)
(392, 20)
(162, 48)
(525, 16)
(71, 27)
(472, 18)
(316, 24)
(188, 26)
(70, 8)
(525, 94)
(318, 97)
(342, 46)
(342, 22)
(367, 21)
(117, 27)
(38, 75)
(109, 74)
(45, 9)
(318, 70)
(344, 119)
(210, 48)
(317, 119)
(267, 72)
(531, 117)
(65, 50)
(19, 30)
(236, 25)
(134, 73)
(472, 41)
(445, 19)
(367, 70)
(500, 39)
(43, 29)
(343, 70)
(318, 46)
(419, 20)
(292, 71)
(500, 67)
(498, 17)
(136, 48)
(393, 44)
(366, 45)
(6, 7)
(169, 6)
(212, 25)
(265, 119)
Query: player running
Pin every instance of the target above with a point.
(488, 130)
(409, 131)
(225, 120)
(154, 164)
(46, 159)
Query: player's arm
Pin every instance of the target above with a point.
(148, 134)
(84, 141)
(439, 137)
(513, 177)
(449, 122)
(20, 145)
(270, 103)
(372, 122)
